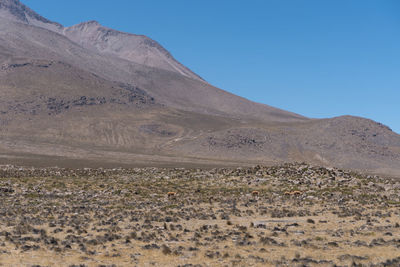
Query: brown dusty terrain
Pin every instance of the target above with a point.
(124, 217)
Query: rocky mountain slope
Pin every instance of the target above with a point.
(90, 95)
(91, 35)
(15, 10)
(135, 48)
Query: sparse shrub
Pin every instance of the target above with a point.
(166, 250)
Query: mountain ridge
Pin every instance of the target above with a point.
(67, 93)
(151, 53)
(136, 48)
(16, 10)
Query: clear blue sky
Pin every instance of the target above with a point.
(317, 58)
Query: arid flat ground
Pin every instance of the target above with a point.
(299, 216)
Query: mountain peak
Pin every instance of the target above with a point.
(17, 11)
(98, 38)
(132, 47)
(90, 22)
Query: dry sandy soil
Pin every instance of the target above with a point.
(124, 217)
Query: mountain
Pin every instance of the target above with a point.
(136, 48)
(91, 35)
(15, 10)
(88, 95)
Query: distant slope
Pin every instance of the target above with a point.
(170, 88)
(107, 53)
(95, 95)
(349, 142)
(15, 10)
(136, 48)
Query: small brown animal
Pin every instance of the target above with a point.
(255, 193)
(171, 194)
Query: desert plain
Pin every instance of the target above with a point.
(287, 215)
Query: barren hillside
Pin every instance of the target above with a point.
(92, 95)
